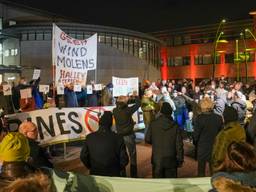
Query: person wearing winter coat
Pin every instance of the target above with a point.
(238, 170)
(240, 105)
(206, 127)
(149, 108)
(70, 96)
(232, 131)
(104, 152)
(125, 127)
(167, 145)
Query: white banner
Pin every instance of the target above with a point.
(66, 124)
(125, 86)
(72, 57)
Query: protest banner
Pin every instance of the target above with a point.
(98, 87)
(125, 86)
(36, 74)
(72, 58)
(7, 89)
(67, 124)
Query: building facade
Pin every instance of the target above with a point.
(26, 40)
(226, 48)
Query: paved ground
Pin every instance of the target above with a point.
(73, 163)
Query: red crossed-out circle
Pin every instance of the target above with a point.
(91, 113)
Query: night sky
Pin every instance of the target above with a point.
(147, 15)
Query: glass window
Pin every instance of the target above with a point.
(108, 40)
(120, 43)
(207, 59)
(7, 53)
(24, 37)
(178, 61)
(170, 62)
(136, 48)
(131, 46)
(114, 42)
(101, 39)
(126, 45)
(186, 60)
(31, 36)
(47, 36)
(198, 59)
(39, 36)
(229, 58)
(79, 36)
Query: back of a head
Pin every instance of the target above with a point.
(166, 109)
(240, 157)
(206, 104)
(230, 114)
(106, 120)
(37, 182)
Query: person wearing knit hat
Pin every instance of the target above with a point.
(206, 127)
(14, 147)
(38, 155)
(231, 132)
(104, 152)
(167, 145)
(14, 152)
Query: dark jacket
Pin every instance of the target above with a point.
(104, 153)
(39, 157)
(123, 117)
(70, 98)
(206, 127)
(166, 140)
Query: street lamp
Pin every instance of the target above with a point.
(245, 57)
(216, 40)
(249, 31)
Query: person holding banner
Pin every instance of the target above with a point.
(125, 125)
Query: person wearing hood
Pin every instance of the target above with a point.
(104, 152)
(232, 131)
(167, 146)
(125, 127)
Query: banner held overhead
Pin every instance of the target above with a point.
(72, 58)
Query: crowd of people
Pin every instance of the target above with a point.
(217, 116)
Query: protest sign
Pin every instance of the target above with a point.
(60, 89)
(77, 88)
(89, 89)
(66, 124)
(125, 86)
(36, 74)
(72, 57)
(44, 88)
(25, 93)
(7, 89)
(98, 87)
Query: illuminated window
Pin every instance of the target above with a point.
(7, 53)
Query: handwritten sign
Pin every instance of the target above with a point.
(73, 57)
